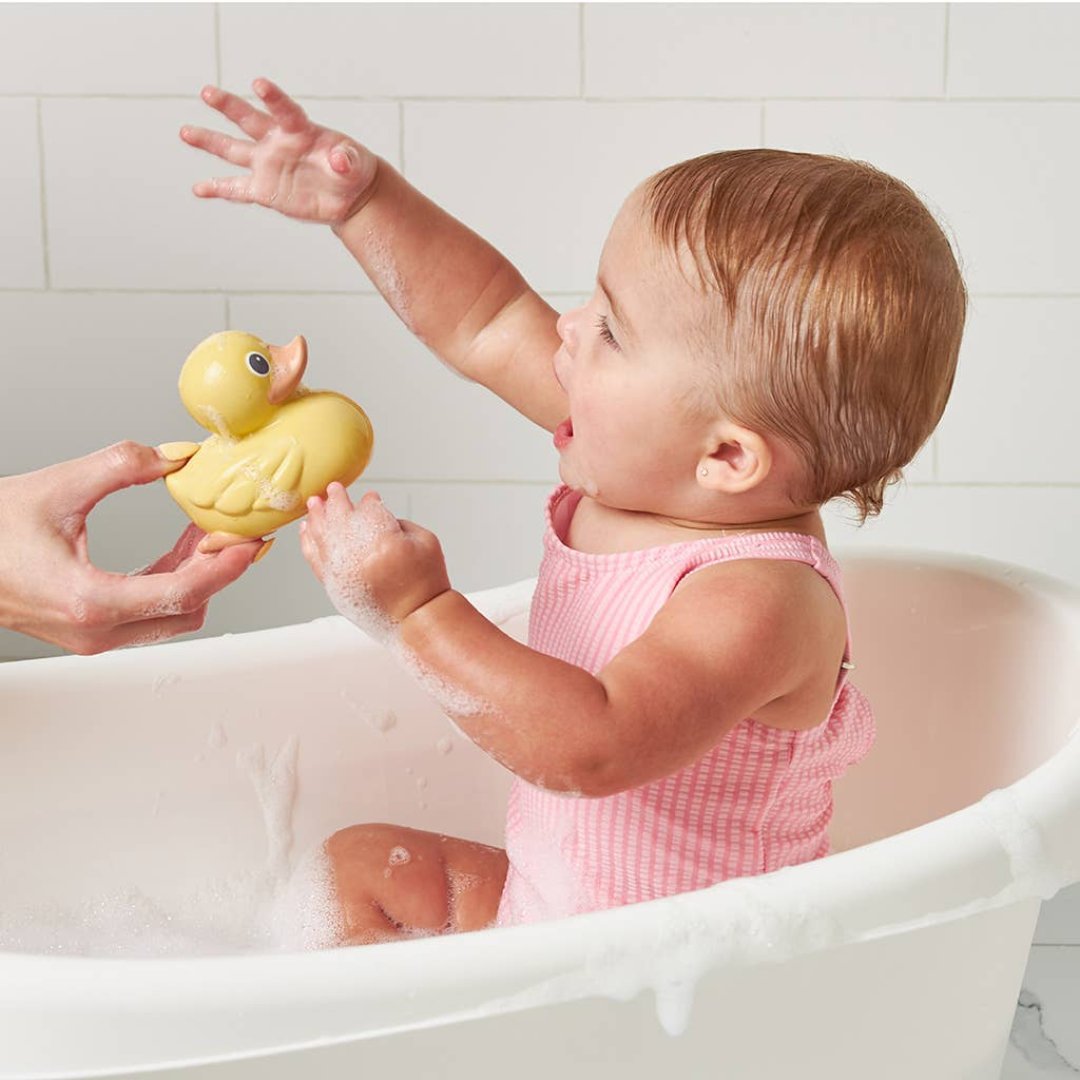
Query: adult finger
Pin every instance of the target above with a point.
(183, 549)
(247, 118)
(288, 114)
(151, 631)
(235, 151)
(115, 599)
(83, 482)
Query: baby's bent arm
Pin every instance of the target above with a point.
(721, 648)
(461, 297)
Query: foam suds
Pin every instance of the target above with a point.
(386, 277)
(451, 699)
(217, 423)
(275, 785)
(351, 597)
(1033, 871)
(164, 682)
(172, 603)
(277, 908)
(150, 637)
(382, 720)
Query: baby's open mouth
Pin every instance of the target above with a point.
(564, 433)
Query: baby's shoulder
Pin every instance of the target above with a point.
(770, 592)
(779, 614)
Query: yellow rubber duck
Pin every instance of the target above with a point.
(274, 443)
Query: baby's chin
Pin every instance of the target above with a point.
(577, 481)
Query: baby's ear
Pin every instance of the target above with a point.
(739, 461)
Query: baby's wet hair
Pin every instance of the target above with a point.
(841, 308)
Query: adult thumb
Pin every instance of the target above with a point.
(121, 465)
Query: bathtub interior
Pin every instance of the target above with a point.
(188, 778)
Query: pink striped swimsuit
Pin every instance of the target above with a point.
(758, 800)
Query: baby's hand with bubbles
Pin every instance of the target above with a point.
(376, 569)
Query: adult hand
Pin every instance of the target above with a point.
(297, 167)
(50, 590)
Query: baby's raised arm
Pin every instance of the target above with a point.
(450, 287)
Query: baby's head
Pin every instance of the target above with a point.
(808, 310)
(838, 308)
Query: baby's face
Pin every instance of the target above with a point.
(628, 368)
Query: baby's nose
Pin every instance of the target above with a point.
(567, 328)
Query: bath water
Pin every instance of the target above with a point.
(287, 905)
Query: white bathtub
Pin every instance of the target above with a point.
(900, 956)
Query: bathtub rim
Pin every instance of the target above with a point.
(557, 961)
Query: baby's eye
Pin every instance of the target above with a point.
(258, 363)
(606, 334)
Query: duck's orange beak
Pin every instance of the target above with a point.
(289, 363)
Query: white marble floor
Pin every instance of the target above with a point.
(1045, 1040)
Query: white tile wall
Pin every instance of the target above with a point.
(764, 50)
(429, 422)
(79, 49)
(23, 263)
(1030, 524)
(405, 50)
(1013, 50)
(124, 159)
(544, 180)
(93, 368)
(531, 122)
(1000, 173)
(1012, 414)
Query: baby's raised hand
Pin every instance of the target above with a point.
(300, 168)
(376, 569)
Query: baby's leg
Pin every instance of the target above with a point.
(393, 882)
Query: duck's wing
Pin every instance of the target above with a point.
(267, 476)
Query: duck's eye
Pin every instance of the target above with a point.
(258, 363)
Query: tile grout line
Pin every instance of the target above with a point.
(945, 57)
(526, 99)
(581, 51)
(46, 265)
(570, 292)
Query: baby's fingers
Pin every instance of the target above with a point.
(246, 117)
(338, 504)
(377, 518)
(234, 151)
(234, 188)
(311, 550)
(290, 116)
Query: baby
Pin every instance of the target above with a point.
(769, 331)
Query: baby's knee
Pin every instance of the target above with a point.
(397, 872)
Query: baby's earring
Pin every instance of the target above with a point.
(703, 471)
